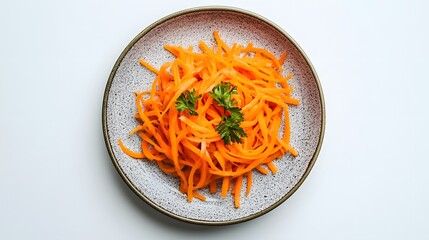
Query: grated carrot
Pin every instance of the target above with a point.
(188, 146)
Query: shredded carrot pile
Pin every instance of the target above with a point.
(188, 146)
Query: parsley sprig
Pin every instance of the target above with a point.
(221, 93)
(186, 101)
(229, 128)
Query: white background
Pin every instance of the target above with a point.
(370, 180)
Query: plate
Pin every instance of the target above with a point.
(186, 28)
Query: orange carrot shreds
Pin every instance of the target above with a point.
(212, 117)
(213, 186)
(249, 182)
(148, 66)
(272, 167)
(129, 152)
(237, 190)
(261, 170)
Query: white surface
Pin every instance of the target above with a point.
(370, 181)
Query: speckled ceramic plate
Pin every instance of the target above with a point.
(186, 28)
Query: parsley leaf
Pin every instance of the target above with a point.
(187, 101)
(222, 95)
(230, 131)
(236, 115)
(229, 128)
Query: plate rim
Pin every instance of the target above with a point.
(137, 191)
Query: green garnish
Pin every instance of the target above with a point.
(229, 128)
(222, 95)
(235, 114)
(230, 131)
(186, 101)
